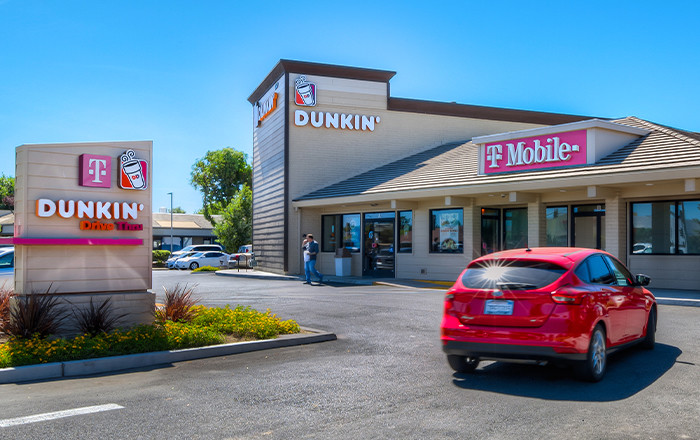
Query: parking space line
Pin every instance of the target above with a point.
(58, 415)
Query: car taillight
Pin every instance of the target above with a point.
(449, 297)
(568, 295)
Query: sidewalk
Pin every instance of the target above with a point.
(673, 297)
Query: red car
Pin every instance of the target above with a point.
(547, 304)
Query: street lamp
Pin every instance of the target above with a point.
(171, 222)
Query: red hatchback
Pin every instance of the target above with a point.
(546, 304)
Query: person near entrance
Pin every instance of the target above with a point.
(310, 248)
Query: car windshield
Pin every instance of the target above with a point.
(7, 259)
(511, 274)
(198, 254)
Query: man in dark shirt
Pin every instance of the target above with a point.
(311, 249)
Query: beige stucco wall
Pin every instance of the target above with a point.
(50, 171)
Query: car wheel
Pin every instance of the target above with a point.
(462, 364)
(193, 266)
(593, 368)
(650, 338)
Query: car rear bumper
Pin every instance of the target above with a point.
(508, 351)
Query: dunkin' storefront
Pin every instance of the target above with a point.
(416, 189)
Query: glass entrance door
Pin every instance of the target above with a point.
(587, 228)
(379, 250)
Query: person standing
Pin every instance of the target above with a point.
(311, 249)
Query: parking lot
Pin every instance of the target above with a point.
(385, 377)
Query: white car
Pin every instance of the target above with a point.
(200, 259)
(170, 262)
(7, 261)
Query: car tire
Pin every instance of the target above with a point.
(596, 363)
(462, 364)
(650, 339)
(193, 266)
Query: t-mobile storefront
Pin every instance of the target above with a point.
(416, 189)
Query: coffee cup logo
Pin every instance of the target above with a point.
(133, 172)
(305, 92)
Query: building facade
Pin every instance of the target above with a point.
(416, 189)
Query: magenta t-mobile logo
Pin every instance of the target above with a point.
(95, 171)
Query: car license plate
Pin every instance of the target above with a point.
(498, 307)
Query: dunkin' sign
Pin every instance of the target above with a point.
(535, 153)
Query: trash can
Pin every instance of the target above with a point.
(343, 261)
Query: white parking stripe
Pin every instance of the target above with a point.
(58, 415)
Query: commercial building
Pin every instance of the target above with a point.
(416, 189)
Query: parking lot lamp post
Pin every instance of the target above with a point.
(171, 222)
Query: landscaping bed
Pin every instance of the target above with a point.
(178, 324)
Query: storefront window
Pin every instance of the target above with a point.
(330, 224)
(515, 228)
(343, 227)
(689, 227)
(490, 219)
(447, 231)
(405, 231)
(557, 226)
(654, 228)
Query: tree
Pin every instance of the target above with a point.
(219, 176)
(236, 226)
(7, 192)
(178, 210)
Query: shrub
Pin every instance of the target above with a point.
(140, 339)
(94, 320)
(243, 322)
(178, 304)
(35, 314)
(159, 256)
(206, 269)
(5, 294)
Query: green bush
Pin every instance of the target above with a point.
(243, 322)
(206, 269)
(209, 327)
(159, 256)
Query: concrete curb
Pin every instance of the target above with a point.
(678, 302)
(118, 363)
(262, 276)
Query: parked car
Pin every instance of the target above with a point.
(197, 248)
(242, 258)
(200, 259)
(170, 262)
(7, 261)
(547, 304)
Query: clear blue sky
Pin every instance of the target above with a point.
(180, 72)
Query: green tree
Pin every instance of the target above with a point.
(236, 226)
(7, 192)
(178, 210)
(219, 175)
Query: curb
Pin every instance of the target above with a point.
(678, 302)
(255, 276)
(56, 370)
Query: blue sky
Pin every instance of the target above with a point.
(180, 72)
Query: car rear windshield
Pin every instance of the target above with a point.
(511, 274)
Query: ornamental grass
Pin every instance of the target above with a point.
(209, 326)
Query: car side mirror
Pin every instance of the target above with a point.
(643, 280)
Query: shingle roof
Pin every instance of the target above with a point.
(456, 164)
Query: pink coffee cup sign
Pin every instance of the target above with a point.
(534, 153)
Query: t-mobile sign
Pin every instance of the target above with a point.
(535, 153)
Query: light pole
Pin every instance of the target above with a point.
(171, 222)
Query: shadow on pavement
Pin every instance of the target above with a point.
(629, 372)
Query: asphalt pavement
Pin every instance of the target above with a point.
(384, 377)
